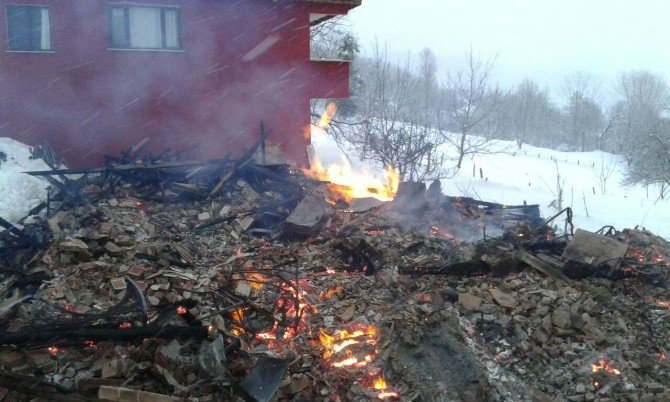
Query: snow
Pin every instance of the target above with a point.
(513, 176)
(19, 192)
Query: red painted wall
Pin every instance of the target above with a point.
(88, 101)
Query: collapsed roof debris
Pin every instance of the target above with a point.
(167, 280)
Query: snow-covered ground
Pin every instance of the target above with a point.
(19, 192)
(512, 176)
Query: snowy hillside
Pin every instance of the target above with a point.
(512, 176)
(19, 192)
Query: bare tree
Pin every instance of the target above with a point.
(583, 116)
(428, 86)
(390, 128)
(471, 100)
(529, 112)
(608, 165)
(643, 131)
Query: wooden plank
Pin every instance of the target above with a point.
(547, 268)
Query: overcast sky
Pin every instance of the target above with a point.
(542, 39)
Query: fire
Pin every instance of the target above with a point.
(53, 350)
(604, 365)
(125, 325)
(380, 385)
(344, 181)
(327, 116)
(348, 184)
(343, 339)
(352, 361)
(181, 310)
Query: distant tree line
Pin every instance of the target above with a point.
(402, 113)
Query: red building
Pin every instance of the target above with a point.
(95, 77)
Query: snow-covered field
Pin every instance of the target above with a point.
(512, 176)
(19, 192)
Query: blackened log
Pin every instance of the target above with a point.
(44, 336)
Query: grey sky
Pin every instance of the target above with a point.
(542, 39)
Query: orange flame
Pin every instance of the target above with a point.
(327, 116)
(350, 184)
(181, 310)
(604, 365)
(381, 385)
(343, 180)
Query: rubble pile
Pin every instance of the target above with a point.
(263, 290)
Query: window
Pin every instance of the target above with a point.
(28, 28)
(139, 27)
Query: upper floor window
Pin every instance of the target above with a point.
(144, 27)
(28, 28)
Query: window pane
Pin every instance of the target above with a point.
(145, 27)
(18, 24)
(45, 30)
(118, 28)
(172, 29)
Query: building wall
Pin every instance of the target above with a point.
(207, 100)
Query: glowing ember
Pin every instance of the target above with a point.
(255, 280)
(293, 307)
(53, 350)
(181, 310)
(604, 365)
(125, 325)
(435, 231)
(353, 361)
(343, 339)
(663, 304)
(375, 232)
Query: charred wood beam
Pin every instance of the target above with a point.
(14, 230)
(50, 337)
(246, 157)
(154, 258)
(466, 268)
(129, 167)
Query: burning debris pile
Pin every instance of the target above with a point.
(233, 280)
